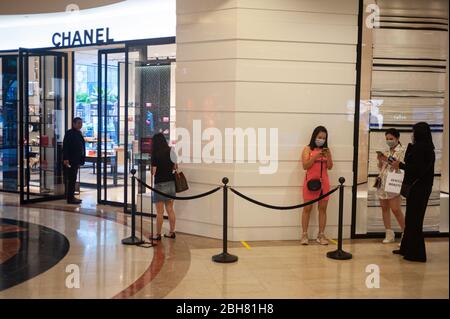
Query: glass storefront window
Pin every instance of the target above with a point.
(8, 123)
(403, 82)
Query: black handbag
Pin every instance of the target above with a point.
(378, 180)
(181, 184)
(377, 183)
(315, 185)
(406, 187)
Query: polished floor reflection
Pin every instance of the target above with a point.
(182, 268)
(27, 251)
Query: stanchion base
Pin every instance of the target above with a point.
(224, 258)
(339, 254)
(132, 241)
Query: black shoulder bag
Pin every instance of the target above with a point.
(316, 184)
(406, 188)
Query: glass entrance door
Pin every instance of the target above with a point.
(111, 135)
(42, 124)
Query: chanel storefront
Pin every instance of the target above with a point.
(113, 66)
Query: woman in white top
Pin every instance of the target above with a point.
(390, 201)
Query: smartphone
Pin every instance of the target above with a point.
(391, 159)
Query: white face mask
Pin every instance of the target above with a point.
(320, 142)
(391, 143)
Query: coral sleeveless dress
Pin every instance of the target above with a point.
(314, 173)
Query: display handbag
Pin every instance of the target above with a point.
(394, 182)
(181, 184)
(315, 185)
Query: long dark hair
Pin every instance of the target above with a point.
(422, 134)
(312, 143)
(159, 144)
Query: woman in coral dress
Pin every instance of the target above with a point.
(316, 160)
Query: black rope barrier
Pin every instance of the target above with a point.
(254, 201)
(225, 257)
(212, 191)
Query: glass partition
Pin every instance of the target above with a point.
(151, 103)
(403, 82)
(43, 103)
(9, 174)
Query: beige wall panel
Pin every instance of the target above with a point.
(245, 49)
(323, 6)
(265, 71)
(196, 6)
(210, 26)
(295, 72)
(266, 97)
(409, 43)
(297, 26)
(410, 81)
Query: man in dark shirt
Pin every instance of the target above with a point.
(73, 156)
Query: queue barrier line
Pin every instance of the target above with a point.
(225, 257)
(254, 201)
(212, 191)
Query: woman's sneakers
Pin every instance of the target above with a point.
(390, 237)
(321, 239)
(304, 240)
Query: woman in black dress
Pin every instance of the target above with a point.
(419, 172)
(164, 163)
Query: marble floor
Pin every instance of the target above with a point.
(91, 235)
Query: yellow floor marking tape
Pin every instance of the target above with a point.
(245, 244)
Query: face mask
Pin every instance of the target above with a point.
(391, 143)
(320, 142)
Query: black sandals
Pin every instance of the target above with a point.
(171, 235)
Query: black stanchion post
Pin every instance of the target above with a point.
(133, 240)
(225, 257)
(151, 207)
(339, 253)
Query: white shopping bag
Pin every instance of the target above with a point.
(394, 181)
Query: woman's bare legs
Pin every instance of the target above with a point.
(384, 203)
(159, 217)
(305, 217)
(323, 204)
(171, 214)
(396, 206)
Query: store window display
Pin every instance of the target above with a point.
(86, 107)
